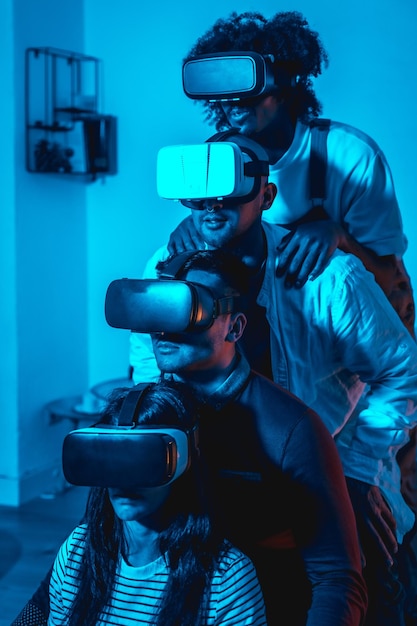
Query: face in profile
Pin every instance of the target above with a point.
(195, 351)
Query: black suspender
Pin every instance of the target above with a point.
(318, 160)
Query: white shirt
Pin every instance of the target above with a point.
(329, 340)
(359, 185)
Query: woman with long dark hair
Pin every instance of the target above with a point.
(153, 555)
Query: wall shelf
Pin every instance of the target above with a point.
(65, 133)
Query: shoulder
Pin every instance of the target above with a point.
(341, 134)
(274, 234)
(75, 542)
(344, 265)
(342, 289)
(70, 555)
(233, 563)
(266, 398)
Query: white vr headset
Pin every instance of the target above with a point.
(228, 166)
(130, 454)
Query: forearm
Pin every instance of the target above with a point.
(339, 601)
(382, 267)
(332, 559)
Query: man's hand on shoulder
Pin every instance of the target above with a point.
(304, 252)
(185, 237)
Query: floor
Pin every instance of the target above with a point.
(30, 536)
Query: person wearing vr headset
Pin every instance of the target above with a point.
(337, 344)
(263, 477)
(273, 467)
(335, 187)
(255, 75)
(148, 549)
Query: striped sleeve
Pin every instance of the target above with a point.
(62, 587)
(236, 597)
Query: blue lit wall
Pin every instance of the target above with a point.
(63, 242)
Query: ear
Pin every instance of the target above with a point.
(270, 193)
(237, 325)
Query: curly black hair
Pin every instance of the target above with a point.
(296, 48)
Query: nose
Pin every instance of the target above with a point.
(212, 205)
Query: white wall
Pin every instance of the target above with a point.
(44, 265)
(9, 456)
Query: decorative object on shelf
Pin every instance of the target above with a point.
(65, 133)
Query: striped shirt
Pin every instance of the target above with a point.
(235, 594)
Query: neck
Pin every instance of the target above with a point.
(250, 247)
(207, 381)
(142, 544)
(277, 137)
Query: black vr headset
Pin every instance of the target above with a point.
(229, 76)
(129, 455)
(228, 167)
(165, 304)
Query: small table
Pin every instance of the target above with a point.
(64, 410)
(67, 408)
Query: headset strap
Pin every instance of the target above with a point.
(131, 405)
(176, 263)
(256, 168)
(318, 160)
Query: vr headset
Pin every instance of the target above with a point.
(228, 166)
(166, 304)
(157, 305)
(228, 76)
(129, 455)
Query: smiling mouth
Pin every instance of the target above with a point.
(214, 219)
(165, 347)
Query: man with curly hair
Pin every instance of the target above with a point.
(358, 212)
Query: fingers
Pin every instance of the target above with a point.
(176, 244)
(299, 263)
(184, 237)
(374, 514)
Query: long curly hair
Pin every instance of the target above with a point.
(190, 539)
(296, 48)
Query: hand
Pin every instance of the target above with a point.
(185, 237)
(304, 252)
(374, 517)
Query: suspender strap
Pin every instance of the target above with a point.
(318, 160)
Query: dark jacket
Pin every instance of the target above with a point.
(278, 479)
